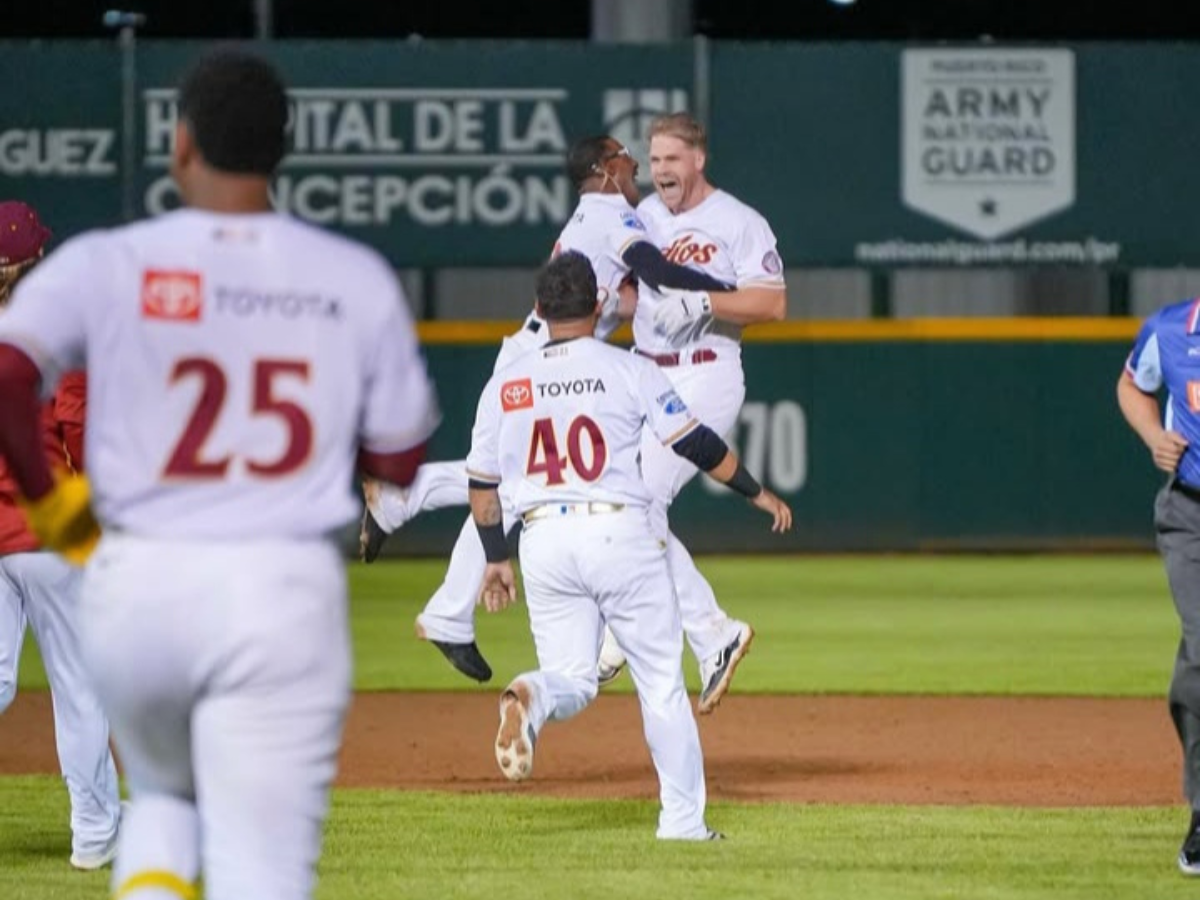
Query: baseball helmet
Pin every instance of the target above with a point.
(22, 234)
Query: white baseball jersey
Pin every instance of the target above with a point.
(602, 228)
(721, 237)
(564, 424)
(236, 363)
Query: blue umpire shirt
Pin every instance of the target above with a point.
(1167, 353)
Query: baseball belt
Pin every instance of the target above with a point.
(547, 510)
(696, 357)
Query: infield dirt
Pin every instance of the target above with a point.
(946, 750)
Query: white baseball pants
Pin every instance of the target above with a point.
(714, 392)
(225, 670)
(43, 590)
(580, 572)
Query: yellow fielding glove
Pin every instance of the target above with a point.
(62, 520)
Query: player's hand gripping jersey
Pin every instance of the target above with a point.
(723, 238)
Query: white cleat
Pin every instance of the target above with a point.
(516, 739)
(89, 862)
(716, 672)
(606, 674)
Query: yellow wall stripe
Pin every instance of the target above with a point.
(156, 878)
(1090, 328)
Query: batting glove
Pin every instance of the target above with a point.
(62, 520)
(679, 309)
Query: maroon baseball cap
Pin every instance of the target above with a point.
(22, 234)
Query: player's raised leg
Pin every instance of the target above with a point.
(718, 641)
(565, 621)
(448, 619)
(389, 506)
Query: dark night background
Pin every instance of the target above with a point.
(1011, 20)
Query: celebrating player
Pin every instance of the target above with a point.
(695, 340)
(588, 555)
(42, 589)
(238, 362)
(606, 229)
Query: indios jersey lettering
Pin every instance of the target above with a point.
(687, 248)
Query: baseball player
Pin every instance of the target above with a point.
(564, 426)
(1163, 359)
(605, 228)
(695, 339)
(238, 361)
(39, 588)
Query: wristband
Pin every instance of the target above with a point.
(743, 482)
(495, 547)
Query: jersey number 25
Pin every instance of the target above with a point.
(187, 460)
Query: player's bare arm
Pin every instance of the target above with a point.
(750, 305)
(1144, 415)
(499, 583)
(705, 448)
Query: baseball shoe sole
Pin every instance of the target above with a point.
(721, 676)
(371, 537)
(464, 657)
(516, 739)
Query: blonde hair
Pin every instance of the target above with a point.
(683, 126)
(11, 274)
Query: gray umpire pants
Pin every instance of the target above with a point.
(1177, 524)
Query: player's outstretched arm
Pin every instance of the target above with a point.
(704, 447)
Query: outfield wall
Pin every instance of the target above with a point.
(900, 435)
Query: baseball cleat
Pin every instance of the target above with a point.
(463, 656)
(606, 674)
(612, 659)
(516, 739)
(1189, 853)
(716, 673)
(370, 538)
(88, 862)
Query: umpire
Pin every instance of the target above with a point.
(1167, 355)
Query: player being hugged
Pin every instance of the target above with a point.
(605, 228)
(694, 337)
(563, 427)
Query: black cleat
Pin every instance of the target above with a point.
(370, 538)
(466, 658)
(1189, 853)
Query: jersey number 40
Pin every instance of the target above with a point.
(545, 458)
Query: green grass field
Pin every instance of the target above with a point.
(1048, 625)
